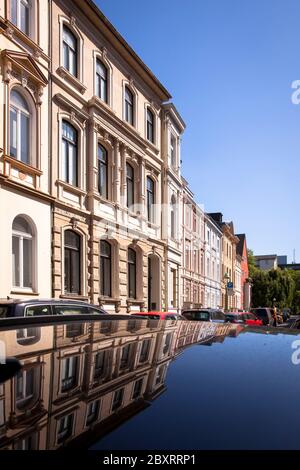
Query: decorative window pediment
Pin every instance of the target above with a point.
(24, 66)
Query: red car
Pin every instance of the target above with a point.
(159, 315)
(243, 317)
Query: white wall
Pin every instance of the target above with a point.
(13, 204)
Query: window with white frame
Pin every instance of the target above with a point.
(69, 153)
(20, 14)
(173, 217)
(92, 412)
(70, 51)
(19, 127)
(102, 171)
(22, 253)
(101, 81)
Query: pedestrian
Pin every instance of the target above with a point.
(274, 314)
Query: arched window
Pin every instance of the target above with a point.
(105, 268)
(19, 14)
(150, 125)
(130, 185)
(69, 153)
(70, 53)
(19, 127)
(131, 271)
(150, 199)
(129, 106)
(102, 171)
(173, 217)
(72, 257)
(101, 81)
(22, 253)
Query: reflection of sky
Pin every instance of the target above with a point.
(241, 394)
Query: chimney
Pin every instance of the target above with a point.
(217, 217)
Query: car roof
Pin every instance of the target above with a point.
(48, 301)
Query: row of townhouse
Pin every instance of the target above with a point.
(93, 203)
(78, 381)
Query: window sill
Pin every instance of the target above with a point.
(66, 75)
(70, 187)
(19, 291)
(24, 167)
(74, 297)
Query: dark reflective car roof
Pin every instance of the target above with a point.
(157, 385)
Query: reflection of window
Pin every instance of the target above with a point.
(72, 262)
(19, 14)
(125, 357)
(74, 329)
(137, 389)
(167, 343)
(69, 373)
(69, 51)
(160, 375)
(65, 428)
(26, 336)
(117, 399)
(105, 268)
(101, 81)
(100, 360)
(25, 387)
(27, 443)
(19, 127)
(2, 420)
(69, 154)
(22, 253)
(144, 355)
(92, 412)
(131, 273)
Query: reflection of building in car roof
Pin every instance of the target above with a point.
(80, 380)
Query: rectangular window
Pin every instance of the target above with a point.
(65, 428)
(125, 356)
(69, 373)
(144, 355)
(173, 150)
(92, 412)
(13, 133)
(137, 389)
(117, 399)
(16, 261)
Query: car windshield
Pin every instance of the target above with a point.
(202, 315)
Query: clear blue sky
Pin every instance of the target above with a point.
(229, 65)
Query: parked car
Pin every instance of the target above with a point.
(46, 307)
(247, 318)
(264, 314)
(211, 315)
(159, 315)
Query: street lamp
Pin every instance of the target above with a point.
(226, 279)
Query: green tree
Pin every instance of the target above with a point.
(251, 263)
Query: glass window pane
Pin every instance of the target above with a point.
(65, 56)
(13, 12)
(103, 94)
(75, 272)
(24, 138)
(13, 132)
(72, 165)
(16, 261)
(73, 62)
(17, 100)
(64, 160)
(24, 18)
(27, 263)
